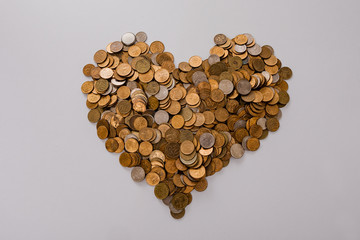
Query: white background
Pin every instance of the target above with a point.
(57, 181)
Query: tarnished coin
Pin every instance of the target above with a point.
(243, 87)
(161, 190)
(285, 73)
(141, 37)
(226, 86)
(161, 116)
(207, 140)
(180, 201)
(220, 39)
(116, 46)
(178, 215)
(237, 151)
(138, 174)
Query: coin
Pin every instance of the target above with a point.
(141, 37)
(285, 73)
(100, 56)
(253, 144)
(243, 87)
(237, 151)
(152, 178)
(179, 201)
(178, 215)
(226, 86)
(161, 190)
(195, 61)
(161, 116)
(142, 66)
(177, 121)
(128, 38)
(94, 115)
(207, 140)
(220, 39)
(137, 174)
(201, 185)
(145, 148)
(272, 124)
(157, 47)
(87, 69)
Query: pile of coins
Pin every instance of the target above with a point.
(176, 126)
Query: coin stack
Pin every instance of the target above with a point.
(176, 126)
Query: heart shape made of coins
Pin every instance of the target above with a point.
(176, 126)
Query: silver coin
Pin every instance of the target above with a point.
(173, 209)
(128, 38)
(130, 60)
(240, 48)
(279, 115)
(266, 74)
(249, 37)
(188, 162)
(173, 82)
(106, 112)
(141, 37)
(117, 83)
(254, 50)
(153, 58)
(246, 60)
(237, 151)
(198, 77)
(262, 123)
(239, 124)
(114, 89)
(226, 86)
(131, 85)
(163, 93)
(108, 91)
(227, 135)
(167, 200)
(135, 90)
(240, 110)
(244, 141)
(243, 87)
(258, 81)
(129, 136)
(213, 58)
(161, 116)
(276, 78)
(207, 140)
(158, 136)
(138, 174)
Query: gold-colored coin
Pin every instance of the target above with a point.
(145, 148)
(152, 178)
(157, 47)
(253, 144)
(195, 61)
(177, 121)
(131, 145)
